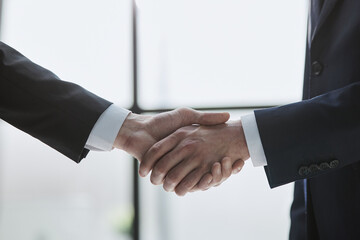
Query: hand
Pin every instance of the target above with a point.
(139, 133)
(180, 160)
(220, 172)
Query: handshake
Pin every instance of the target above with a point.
(185, 150)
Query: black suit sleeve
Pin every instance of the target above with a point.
(58, 113)
(311, 137)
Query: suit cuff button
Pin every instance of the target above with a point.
(334, 163)
(304, 171)
(314, 168)
(317, 68)
(324, 166)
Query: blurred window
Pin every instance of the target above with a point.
(209, 53)
(45, 196)
(215, 53)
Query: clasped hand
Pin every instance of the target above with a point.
(182, 156)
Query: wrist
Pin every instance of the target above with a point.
(134, 136)
(128, 128)
(238, 146)
(244, 145)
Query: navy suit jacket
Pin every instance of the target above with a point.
(318, 139)
(33, 99)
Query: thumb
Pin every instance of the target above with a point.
(213, 118)
(182, 117)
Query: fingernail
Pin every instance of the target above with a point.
(142, 173)
(172, 187)
(169, 189)
(237, 170)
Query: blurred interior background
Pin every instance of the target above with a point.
(197, 53)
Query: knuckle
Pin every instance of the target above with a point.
(147, 158)
(204, 166)
(189, 146)
(154, 149)
(182, 133)
(159, 170)
(172, 178)
(186, 114)
(225, 162)
(186, 184)
(184, 110)
(179, 134)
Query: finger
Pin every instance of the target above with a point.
(216, 176)
(226, 168)
(189, 181)
(213, 118)
(156, 152)
(169, 122)
(178, 173)
(216, 173)
(190, 116)
(169, 161)
(204, 183)
(237, 166)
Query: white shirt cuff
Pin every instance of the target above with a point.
(105, 130)
(253, 140)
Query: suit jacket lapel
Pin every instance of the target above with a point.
(325, 12)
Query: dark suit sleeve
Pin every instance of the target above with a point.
(311, 137)
(58, 113)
